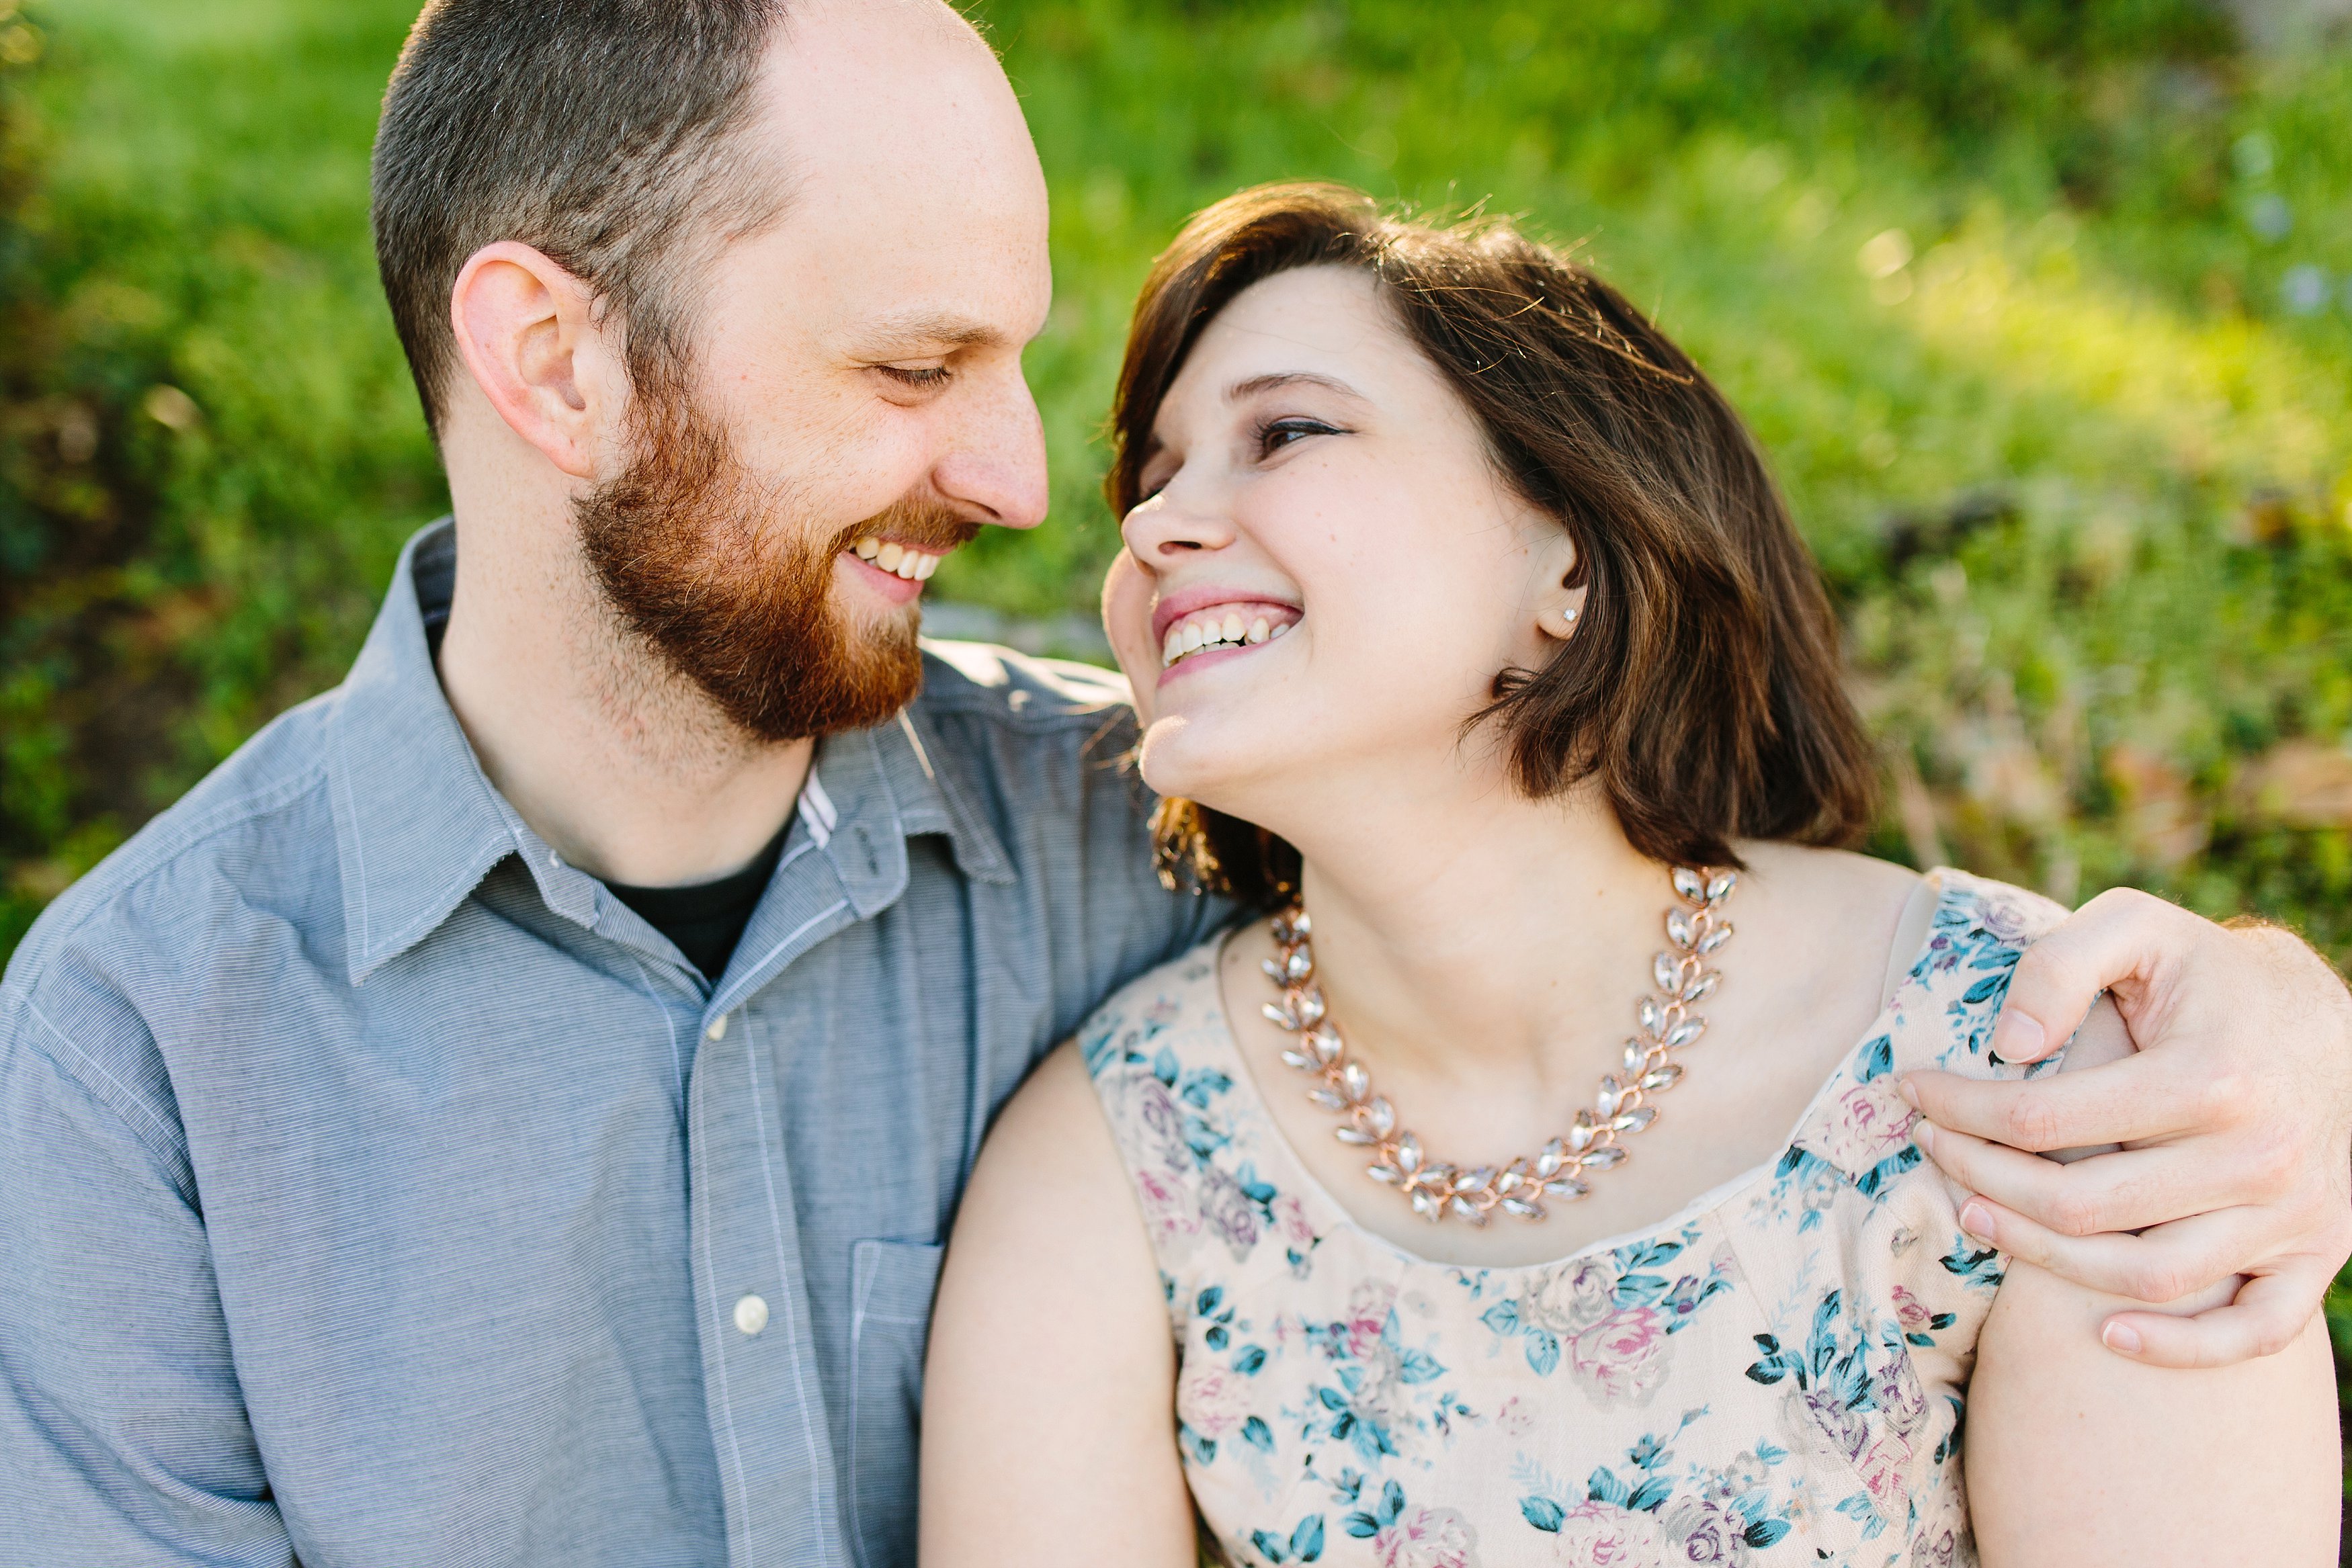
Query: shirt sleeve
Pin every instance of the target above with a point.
(123, 1435)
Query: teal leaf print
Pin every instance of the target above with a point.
(1250, 1360)
(1984, 990)
(1305, 1546)
(1602, 1485)
(1641, 1290)
(1764, 1533)
(1776, 1364)
(1503, 1317)
(1645, 1255)
(1366, 1523)
(1980, 1268)
(1418, 1366)
(1650, 1494)
(1257, 1435)
(1543, 1513)
(1877, 1059)
(1543, 1352)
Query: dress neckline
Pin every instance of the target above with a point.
(1948, 888)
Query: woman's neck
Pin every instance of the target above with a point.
(1461, 931)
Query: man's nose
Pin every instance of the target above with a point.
(995, 456)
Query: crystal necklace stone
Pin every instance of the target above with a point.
(1439, 1191)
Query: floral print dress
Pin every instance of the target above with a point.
(1774, 1376)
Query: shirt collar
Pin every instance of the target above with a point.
(418, 824)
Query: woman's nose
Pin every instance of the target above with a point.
(1165, 529)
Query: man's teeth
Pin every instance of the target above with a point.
(1213, 631)
(912, 564)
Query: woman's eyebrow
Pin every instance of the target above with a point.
(1279, 379)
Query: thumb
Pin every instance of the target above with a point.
(2113, 940)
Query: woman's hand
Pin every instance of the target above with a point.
(2237, 1108)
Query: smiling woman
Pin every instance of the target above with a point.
(1704, 690)
(1553, 661)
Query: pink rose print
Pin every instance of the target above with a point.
(1209, 1400)
(1914, 1317)
(1884, 1465)
(1167, 1214)
(1514, 1419)
(1596, 1534)
(1869, 1123)
(1427, 1538)
(1369, 1306)
(1290, 1224)
(1622, 1359)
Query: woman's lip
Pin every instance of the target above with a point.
(1210, 657)
(1174, 607)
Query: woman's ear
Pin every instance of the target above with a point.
(528, 332)
(1559, 598)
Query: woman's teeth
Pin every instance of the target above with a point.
(912, 564)
(1204, 633)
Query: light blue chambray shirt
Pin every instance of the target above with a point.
(377, 1189)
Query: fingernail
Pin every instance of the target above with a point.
(1923, 1132)
(2121, 1338)
(1976, 1219)
(1910, 1095)
(2018, 1037)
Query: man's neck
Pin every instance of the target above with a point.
(627, 769)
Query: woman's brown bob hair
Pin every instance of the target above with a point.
(1702, 687)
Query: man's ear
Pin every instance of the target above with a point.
(528, 333)
(1560, 598)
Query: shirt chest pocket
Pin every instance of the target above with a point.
(890, 1308)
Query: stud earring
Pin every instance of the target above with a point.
(1569, 616)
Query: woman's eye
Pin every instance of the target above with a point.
(1281, 433)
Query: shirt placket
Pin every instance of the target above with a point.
(768, 1417)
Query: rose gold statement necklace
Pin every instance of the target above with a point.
(1695, 928)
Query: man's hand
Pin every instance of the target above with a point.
(2235, 1111)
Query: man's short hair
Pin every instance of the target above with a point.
(605, 134)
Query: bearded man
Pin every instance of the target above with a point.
(508, 1113)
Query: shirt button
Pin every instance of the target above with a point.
(751, 1315)
(717, 1030)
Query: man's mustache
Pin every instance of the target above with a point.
(918, 525)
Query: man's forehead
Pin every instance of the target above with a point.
(918, 207)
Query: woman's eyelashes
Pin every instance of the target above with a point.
(1276, 434)
(1264, 439)
(923, 377)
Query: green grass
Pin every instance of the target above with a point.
(2043, 311)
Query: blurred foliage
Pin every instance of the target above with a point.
(2044, 310)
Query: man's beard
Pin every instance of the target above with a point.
(709, 566)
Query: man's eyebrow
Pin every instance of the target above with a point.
(927, 327)
(1279, 379)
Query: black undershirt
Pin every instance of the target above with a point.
(707, 919)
